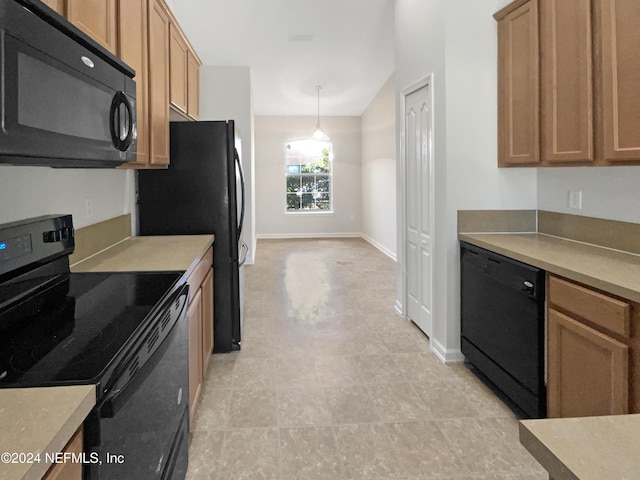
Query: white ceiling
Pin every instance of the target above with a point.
(350, 56)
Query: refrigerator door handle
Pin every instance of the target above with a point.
(245, 247)
(239, 167)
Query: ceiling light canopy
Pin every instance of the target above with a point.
(319, 133)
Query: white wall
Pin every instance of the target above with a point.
(225, 94)
(271, 136)
(607, 192)
(379, 170)
(419, 44)
(456, 40)
(27, 192)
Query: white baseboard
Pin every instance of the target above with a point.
(284, 236)
(380, 247)
(398, 307)
(445, 355)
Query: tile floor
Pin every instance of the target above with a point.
(332, 384)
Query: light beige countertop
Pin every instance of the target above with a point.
(610, 270)
(40, 420)
(149, 254)
(587, 448)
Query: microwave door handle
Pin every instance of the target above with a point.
(121, 121)
(114, 120)
(129, 123)
(239, 167)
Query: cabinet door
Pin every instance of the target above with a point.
(567, 81)
(195, 352)
(193, 86)
(68, 470)
(207, 320)
(588, 372)
(178, 69)
(620, 79)
(133, 50)
(57, 5)
(158, 84)
(97, 18)
(518, 86)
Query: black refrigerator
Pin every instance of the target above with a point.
(203, 192)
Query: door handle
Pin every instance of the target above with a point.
(121, 121)
(244, 247)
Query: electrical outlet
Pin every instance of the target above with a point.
(575, 200)
(88, 208)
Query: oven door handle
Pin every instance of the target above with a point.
(129, 380)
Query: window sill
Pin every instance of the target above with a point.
(309, 212)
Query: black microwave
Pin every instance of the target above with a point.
(66, 101)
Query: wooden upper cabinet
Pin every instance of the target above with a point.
(178, 52)
(193, 85)
(57, 5)
(133, 50)
(97, 18)
(518, 84)
(184, 66)
(567, 81)
(620, 45)
(158, 83)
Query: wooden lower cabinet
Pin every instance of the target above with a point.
(195, 358)
(588, 370)
(592, 352)
(207, 320)
(69, 470)
(200, 317)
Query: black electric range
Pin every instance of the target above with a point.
(125, 333)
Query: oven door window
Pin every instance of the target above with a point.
(52, 109)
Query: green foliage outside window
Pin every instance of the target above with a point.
(308, 176)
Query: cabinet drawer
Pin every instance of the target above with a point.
(604, 311)
(197, 276)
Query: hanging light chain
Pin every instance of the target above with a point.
(318, 87)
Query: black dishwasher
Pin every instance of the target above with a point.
(502, 325)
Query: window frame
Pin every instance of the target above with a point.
(309, 211)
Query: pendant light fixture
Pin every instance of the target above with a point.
(319, 133)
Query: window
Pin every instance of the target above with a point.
(308, 174)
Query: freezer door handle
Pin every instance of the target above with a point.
(245, 247)
(239, 169)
